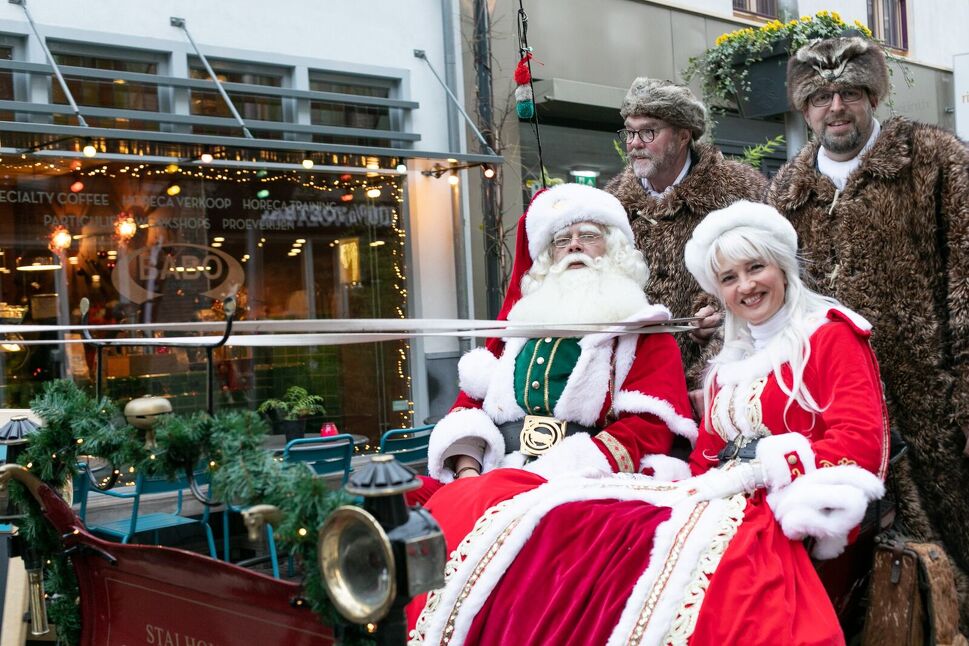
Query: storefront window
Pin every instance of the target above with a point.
(250, 106)
(6, 83)
(348, 115)
(153, 243)
(118, 93)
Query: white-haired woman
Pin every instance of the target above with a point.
(794, 444)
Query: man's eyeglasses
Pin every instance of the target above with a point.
(646, 135)
(824, 98)
(585, 238)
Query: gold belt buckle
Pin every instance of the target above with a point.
(540, 433)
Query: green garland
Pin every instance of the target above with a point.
(241, 470)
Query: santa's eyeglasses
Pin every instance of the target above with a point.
(824, 98)
(585, 238)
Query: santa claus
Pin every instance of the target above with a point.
(604, 403)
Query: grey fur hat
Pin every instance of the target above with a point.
(836, 63)
(665, 100)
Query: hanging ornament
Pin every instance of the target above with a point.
(524, 98)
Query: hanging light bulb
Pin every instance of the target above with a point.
(402, 168)
(171, 168)
(453, 180)
(206, 158)
(60, 239)
(307, 163)
(173, 190)
(125, 227)
(89, 150)
(373, 193)
(489, 172)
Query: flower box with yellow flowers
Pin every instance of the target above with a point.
(748, 66)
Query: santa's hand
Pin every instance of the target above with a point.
(575, 456)
(743, 477)
(826, 505)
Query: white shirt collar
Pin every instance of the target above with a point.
(838, 171)
(679, 178)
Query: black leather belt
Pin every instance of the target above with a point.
(536, 434)
(739, 448)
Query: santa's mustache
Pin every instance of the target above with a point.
(639, 154)
(573, 258)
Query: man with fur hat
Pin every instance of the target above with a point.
(882, 211)
(618, 398)
(671, 183)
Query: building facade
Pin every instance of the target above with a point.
(587, 53)
(319, 178)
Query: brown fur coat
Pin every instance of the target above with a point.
(895, 247)
(662, 225)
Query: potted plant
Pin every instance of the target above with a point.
(752, 57)
(290, 413)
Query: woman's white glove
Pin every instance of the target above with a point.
(826, 505)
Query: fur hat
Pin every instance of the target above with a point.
(675, 104)
(836, 63)
(742, 213)
(564, 205)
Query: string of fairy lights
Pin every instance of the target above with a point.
(371, 182)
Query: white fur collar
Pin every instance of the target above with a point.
(759, 364)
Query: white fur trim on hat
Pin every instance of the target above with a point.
(475, 370)
(772, 453)
(469, 422)
(564, 205)
(742, 213)
(665, 468)
(826, 504)
(575, 456)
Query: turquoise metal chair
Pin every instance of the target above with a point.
(407, 444)
(126, 529)
(325, 455)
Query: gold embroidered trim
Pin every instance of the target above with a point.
(618, 451)
(548, 370)
(528, 378)
(417, 636)
(684, 623)
(663, 579)
(841, 462)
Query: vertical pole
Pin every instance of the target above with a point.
(489, 202)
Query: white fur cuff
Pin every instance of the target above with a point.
(470, 422)
(782, 456)
(665, 468)
(475, 370)
(826, 504)
(576, 455)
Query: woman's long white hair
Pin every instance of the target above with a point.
(804, 306)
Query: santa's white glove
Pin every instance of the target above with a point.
(741, 477)
(826, 505)
(575, 456)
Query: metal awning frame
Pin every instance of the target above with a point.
(218, 141)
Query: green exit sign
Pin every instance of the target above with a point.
(587, 177)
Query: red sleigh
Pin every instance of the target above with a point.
(141, 594)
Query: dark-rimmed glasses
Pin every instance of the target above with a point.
(646, 135)
(823, 98)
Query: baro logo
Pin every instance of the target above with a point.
(142, 275)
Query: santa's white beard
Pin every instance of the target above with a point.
(578, 296)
